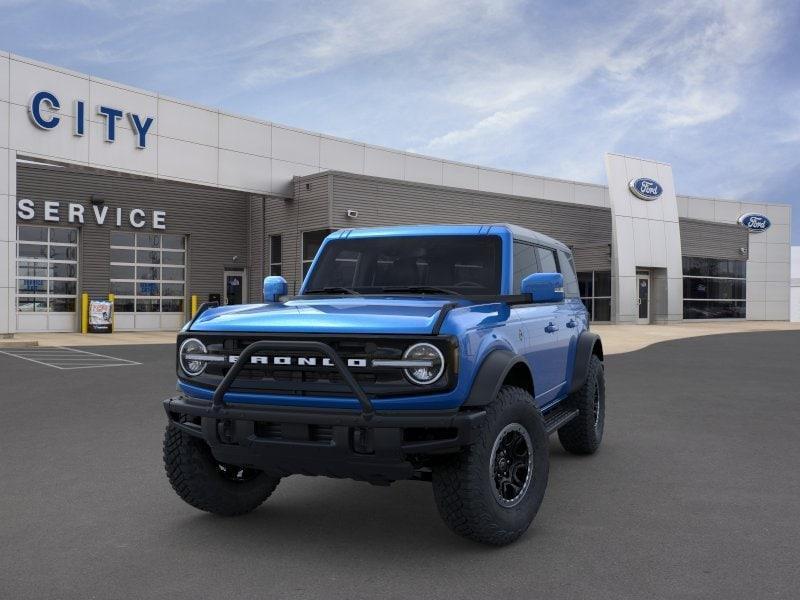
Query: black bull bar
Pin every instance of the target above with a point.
(218, 401)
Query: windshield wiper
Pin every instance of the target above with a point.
(420, 289)
(334, 290)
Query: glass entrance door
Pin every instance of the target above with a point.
(643, 288)
(235, 285)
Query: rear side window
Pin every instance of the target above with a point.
(524, 263)
(568, 271)
(547, 260)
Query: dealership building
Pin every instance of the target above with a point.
(107, 189)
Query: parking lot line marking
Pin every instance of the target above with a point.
(30, 359)
(67, 359)
(103, 355)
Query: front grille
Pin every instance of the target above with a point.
(320, 380)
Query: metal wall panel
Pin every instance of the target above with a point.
(214, 219)
(713, 240)
(256, 257)
(387, 202)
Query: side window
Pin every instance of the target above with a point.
(570, 278)
(524, 263)
(547, 259)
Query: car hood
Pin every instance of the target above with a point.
(387, 315)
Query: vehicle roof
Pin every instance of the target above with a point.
(517, 232)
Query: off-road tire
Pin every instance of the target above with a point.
(464, 484)
(200, 481)
(584, 433)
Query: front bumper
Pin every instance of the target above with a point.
(379, 447)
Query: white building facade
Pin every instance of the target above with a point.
(97, 130)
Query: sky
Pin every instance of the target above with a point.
(712, 87)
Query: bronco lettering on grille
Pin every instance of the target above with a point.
(299, 361)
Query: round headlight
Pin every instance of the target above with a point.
(428, 374)
(191, 367)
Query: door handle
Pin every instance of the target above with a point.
(571, 323)
(551, 328)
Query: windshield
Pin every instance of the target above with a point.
(443, 264)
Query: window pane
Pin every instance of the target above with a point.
(175, 242)
(31, 251)
(63, 288)
(32, 269)
(123, 256)
(570, 279)
(547, 260)
(714, 267)
(31, 286)
(32, 234)
(147, 306)
(63, 235)
(147, 273)
(306, 267)
(148, 240)
(464, 263)
(524, 263)
(148, 257)
(172, 306)
(172, 258)
(63, 270)
(122, 288)
(602, 283)
(121, 238)
(708, 309)
(275, 269)
(123, 304)
(62, 304)
(64, 252)
(275, 249)
(312, 240)
(172, 273)
(31, 304)
(720, 289)
(172, 289)
(602, 309)
(118, 272)
(585, 284)
(147, 289)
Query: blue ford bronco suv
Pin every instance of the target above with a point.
(441, 353)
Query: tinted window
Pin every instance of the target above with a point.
(524, 263)
(568, 271)
(462, 263)
(547, 260)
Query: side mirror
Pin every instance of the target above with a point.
(544, 287)
(275, 286)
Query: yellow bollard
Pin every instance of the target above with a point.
(84, 312)
(194, 304)
(111, 298)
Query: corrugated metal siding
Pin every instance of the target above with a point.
(280, 218)
(592, 257)
(214, 219)
(385, 202)
(713, 240)
(255, 244)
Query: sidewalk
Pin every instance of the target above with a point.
(627, 338)
(616, 338)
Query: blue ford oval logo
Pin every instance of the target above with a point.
(646, 189)
(754, 222)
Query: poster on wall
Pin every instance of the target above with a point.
(100, 316)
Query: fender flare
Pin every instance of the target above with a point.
(588, 343)
(491, 375)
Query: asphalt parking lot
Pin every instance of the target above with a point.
(694, 494)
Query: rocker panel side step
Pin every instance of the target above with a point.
(558, 417)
